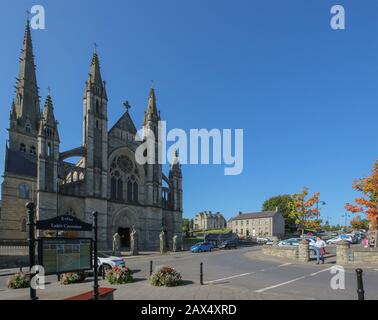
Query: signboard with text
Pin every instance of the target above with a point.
(61, 255)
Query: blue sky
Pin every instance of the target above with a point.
(305, 95)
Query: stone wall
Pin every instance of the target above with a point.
(291, 253)
(363, 256)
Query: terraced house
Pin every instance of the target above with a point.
(267, 223)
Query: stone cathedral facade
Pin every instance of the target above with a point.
(106, 178)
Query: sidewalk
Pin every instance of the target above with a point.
(143, 290)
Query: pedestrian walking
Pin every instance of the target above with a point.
(320, 245)
(366, 243)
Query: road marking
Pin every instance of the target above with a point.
(232, 277)
(284, 265)
(315, 273)
(280, 284)
(290, 281)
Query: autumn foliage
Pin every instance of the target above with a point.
(304, 211)
(368, 202)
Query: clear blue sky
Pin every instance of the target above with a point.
(305, 95)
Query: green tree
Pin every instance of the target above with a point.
(186, 227)
(282, 203)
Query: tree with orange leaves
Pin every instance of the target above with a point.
(302, 210)
(368, 203)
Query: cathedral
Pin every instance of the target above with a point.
(104, 176)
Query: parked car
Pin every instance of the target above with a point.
(294, 242)
(202, 247)
(261, 240)
(229, 244)
(106, 263)
(335, 240)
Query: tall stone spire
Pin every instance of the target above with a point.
(152, 113)
(95, 79)
(27, 98)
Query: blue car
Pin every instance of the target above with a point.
(202, 247)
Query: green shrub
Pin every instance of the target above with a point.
(72, 277)
(119, 275)
(166, 276)
(19, 280)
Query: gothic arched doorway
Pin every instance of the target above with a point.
(123, 222)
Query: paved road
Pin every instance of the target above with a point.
(241, 273)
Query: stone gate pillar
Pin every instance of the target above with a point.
(342, 252)
(304, 253)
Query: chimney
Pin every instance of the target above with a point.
(240, 213)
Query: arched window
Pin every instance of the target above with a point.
(22, 147)
(23, 191)
(97, 107)
(113, 187)
(120, 190)
(49, 151)
(135, 191)
(28, 127)
(129, 191)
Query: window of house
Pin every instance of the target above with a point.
(23, 191)
(33, 150)
(241, 222)
(247, 232)
(241, 231)
(22, 147)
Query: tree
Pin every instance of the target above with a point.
(186, 227)
(302, 210)
(368, 202)
(281, 202)
(359, 223)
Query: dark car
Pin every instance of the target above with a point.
(228, 244)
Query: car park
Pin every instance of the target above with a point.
(202, 247)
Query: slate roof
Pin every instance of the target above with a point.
(125, 123)
(255, 215)
(20, 163)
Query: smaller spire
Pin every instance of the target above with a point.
(151, 108)
(175, 165)
(48, 123)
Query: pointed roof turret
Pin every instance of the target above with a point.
(175, 165)
(151, 113)
(49, 126)
(95, 82)
(27, 97)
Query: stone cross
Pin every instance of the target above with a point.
(127, 106)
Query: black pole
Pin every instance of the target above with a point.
(201, 273)
(360, 285)
(151, 268)
(31, 241)
(95, 265)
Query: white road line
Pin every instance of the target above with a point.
(315, 273)
(232, 277)
(280, 284)
(290, 281)
(284, 265)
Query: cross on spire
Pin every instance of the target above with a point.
(28, 14)
(127, 106)
(152, 83)
(49, 90)
(95, 47)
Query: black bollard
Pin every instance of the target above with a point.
(201, 273)
(150, 268)
(360, 285)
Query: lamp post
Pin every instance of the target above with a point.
(323, 203)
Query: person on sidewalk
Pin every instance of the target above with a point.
(320, 245)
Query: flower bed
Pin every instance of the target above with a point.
(119, 275)
(72, 277)
(166, 276)
(19, 280)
